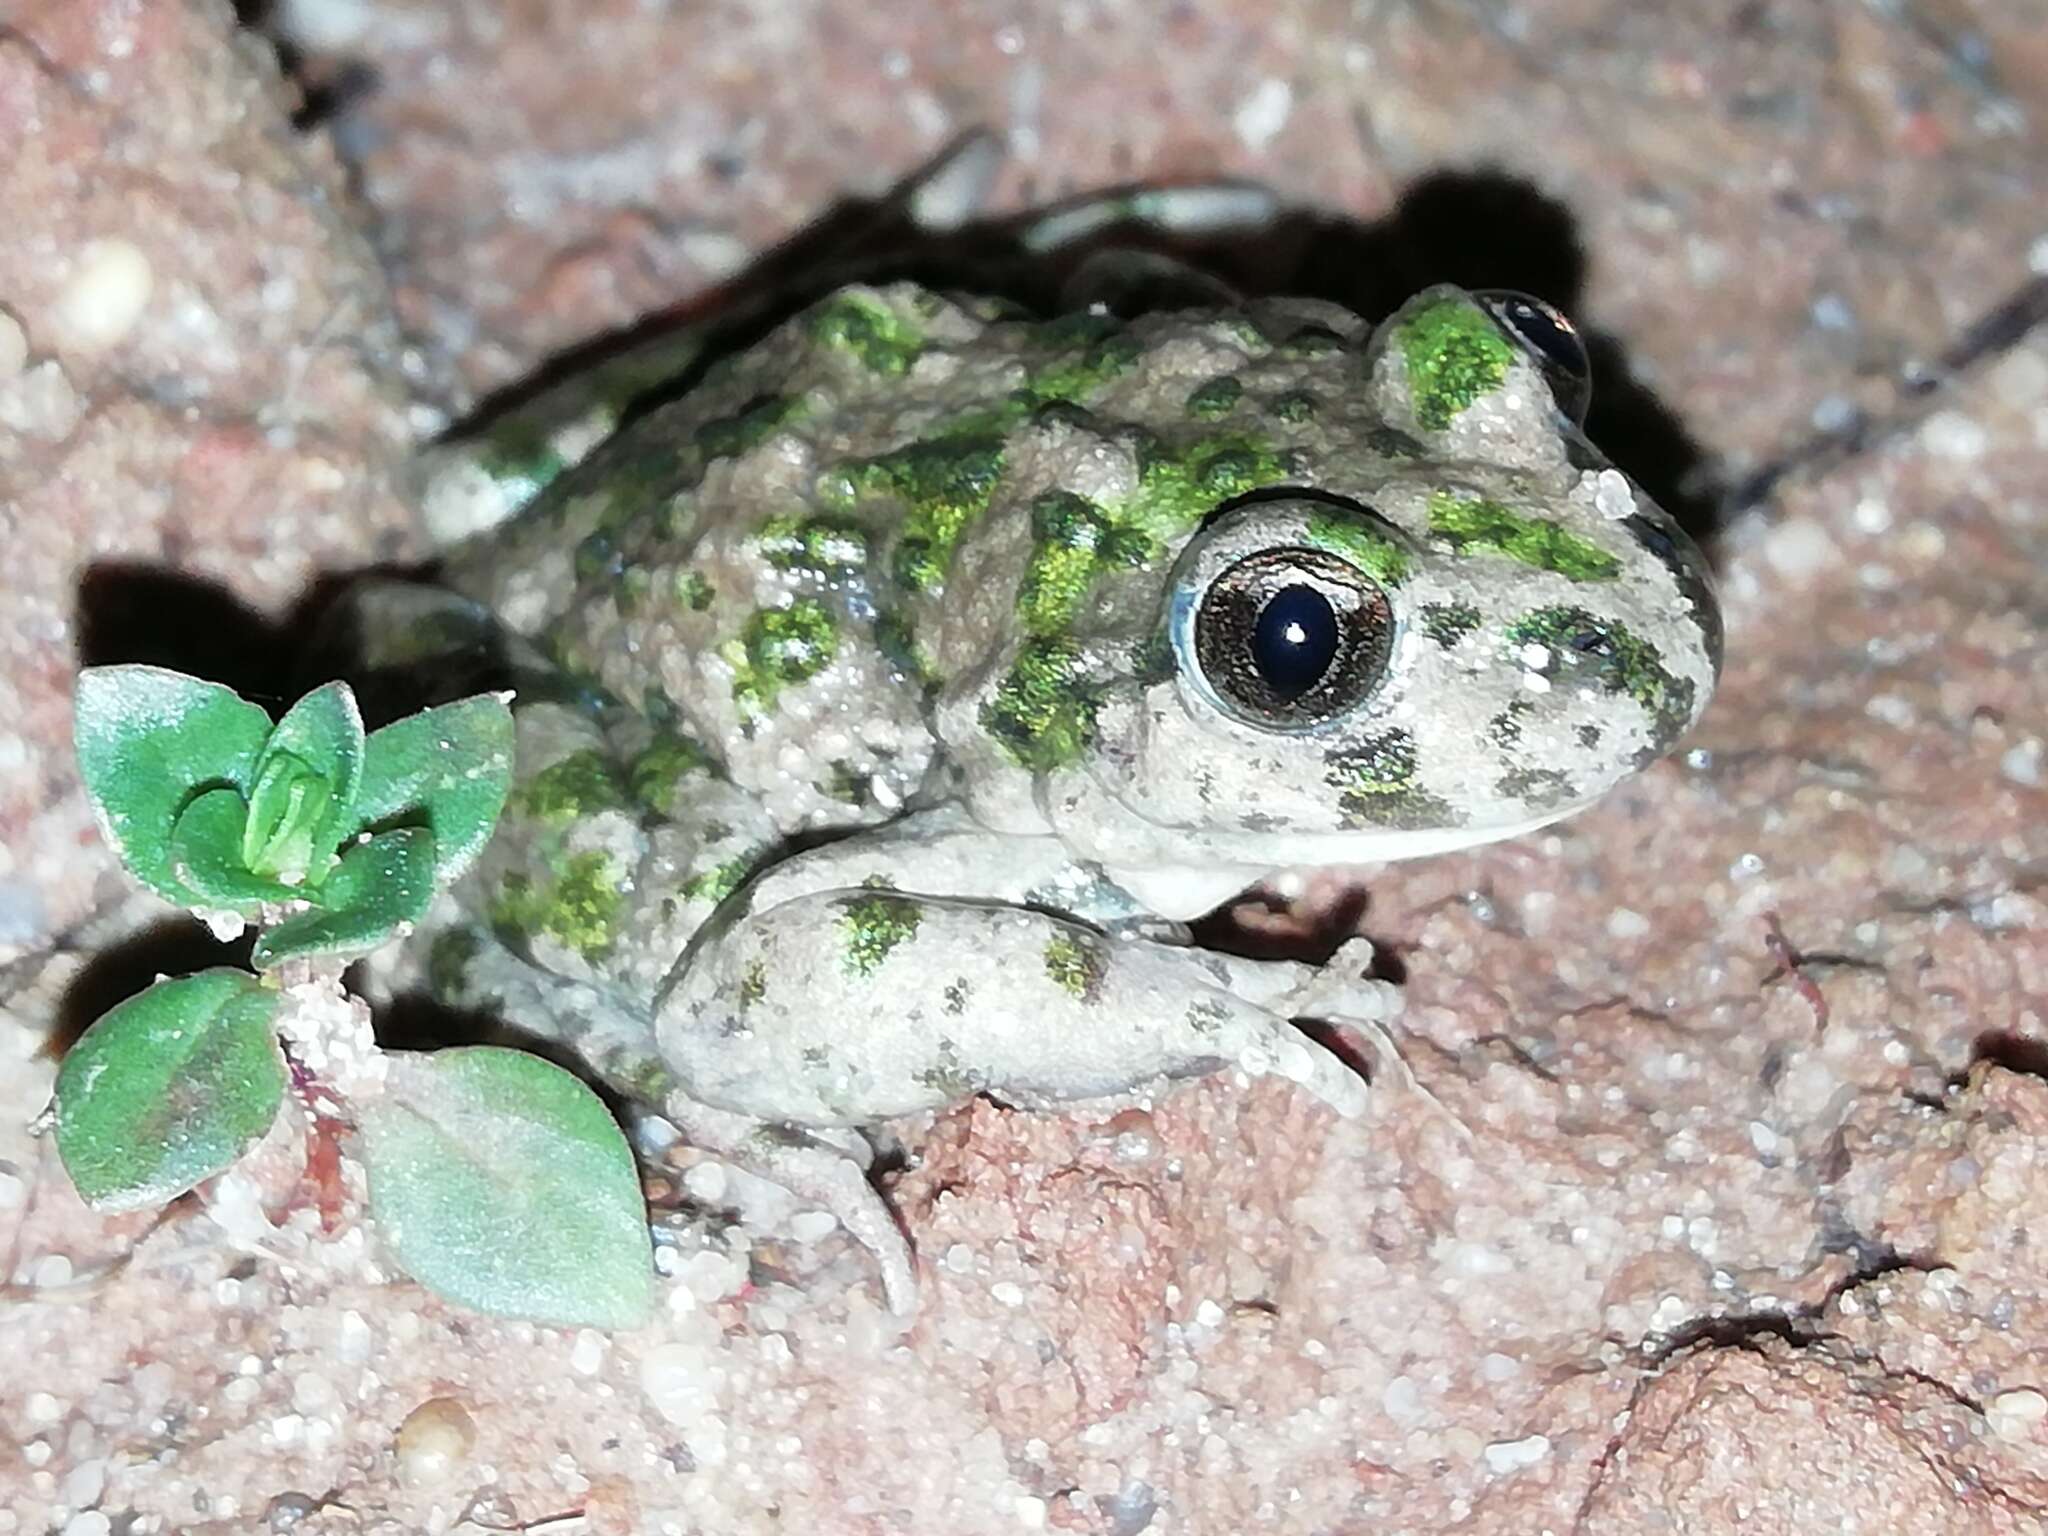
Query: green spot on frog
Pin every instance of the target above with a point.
(849, 785)
(897, 641)
(1217, 397)
(597, 557)
(825, 544)
(867, 329)
(1295, 407)
(1072, 542)
(659, 770)
(1472, 522)
(579, 908)
(1152, 659)
(1043, 711)
(571, 789)
(715, 884)
(519, 452)
(778, 647)
(1455, 356)
(1077, 965)
(1448, 623)
(631, 590)
(951, 1076)
(1377, 785)
(1505, 728)
(944, 483)
(1609, 655)
(1310, 340)
(693, 590)
(753, 983)
(1179, 486)
(873, 925)
(749, 427)
(1096, 350)
(1374, 553)
(1544, 788)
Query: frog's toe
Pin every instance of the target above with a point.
(818, 1171)
(1322, 1072)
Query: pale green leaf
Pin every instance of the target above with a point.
(446, 769)
(500, 1182)
(303, 795)
(382, 887)
(206, 856)
(168, 1089)
(148, 740)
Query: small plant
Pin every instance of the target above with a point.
(495, 1178)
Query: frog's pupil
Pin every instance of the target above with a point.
(1295, 640)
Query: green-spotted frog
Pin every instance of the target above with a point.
(892, 697)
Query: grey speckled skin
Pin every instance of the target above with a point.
(943, 596)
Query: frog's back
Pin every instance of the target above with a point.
(786, 563)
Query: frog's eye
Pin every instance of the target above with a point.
(1551, 341)
(1290, 637)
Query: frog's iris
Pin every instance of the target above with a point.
(1287, 638)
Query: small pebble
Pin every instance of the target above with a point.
(435, 1438)
(706, 1183)
(2015, 1415)
(110, 286)
(812, 1226)
(84, 1483)
(287, 1510)
(1513, 1455)
(586, 1356)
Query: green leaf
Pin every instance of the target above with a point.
(500, 1182)
(382, 885)
(447, 769)
(206, 856)
(148, 739)
(168, 1089)
(304, 791)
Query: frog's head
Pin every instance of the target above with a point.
(1446, 621)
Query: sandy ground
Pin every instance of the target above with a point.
(1709, 1198)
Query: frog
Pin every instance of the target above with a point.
(893, 697)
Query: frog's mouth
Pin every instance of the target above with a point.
(1184, 872)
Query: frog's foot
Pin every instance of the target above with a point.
(826, 1168)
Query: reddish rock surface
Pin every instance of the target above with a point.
(1702, 1200)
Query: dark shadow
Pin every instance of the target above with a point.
(2013, 1051)
(1478, 229)
(175, 946)
(159, 616)
(1233, 930)
(414, 1021)
(130, 612)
